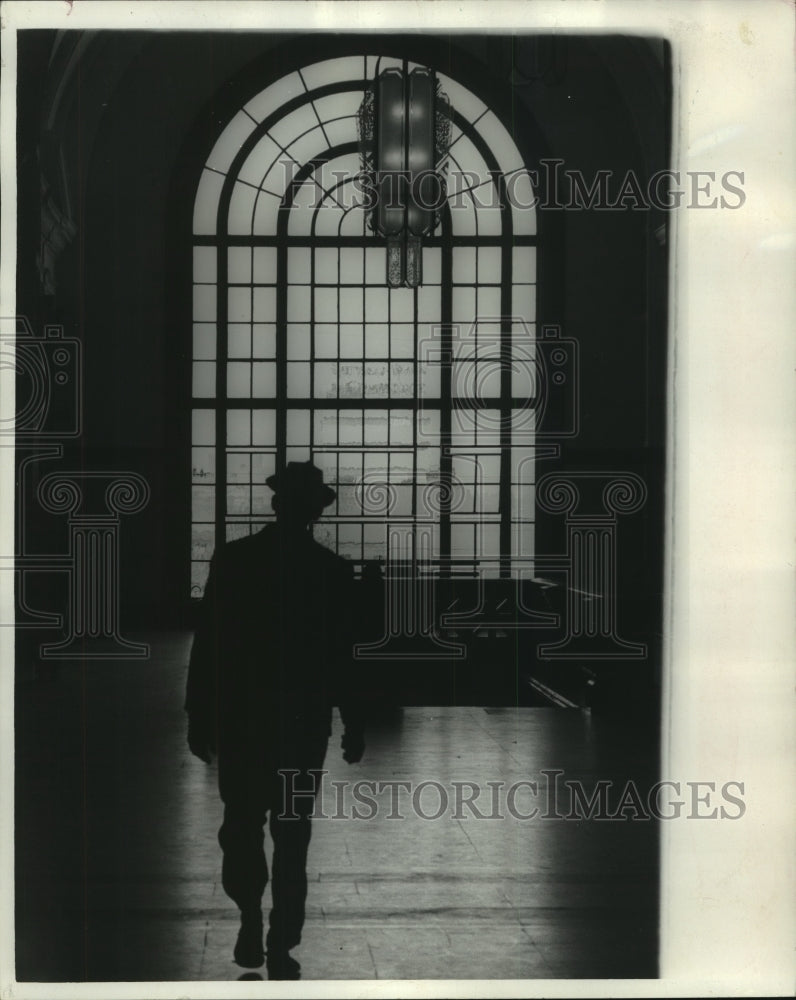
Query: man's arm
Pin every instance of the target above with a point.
(351, 696)
(201, 696)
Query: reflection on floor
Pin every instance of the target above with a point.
(118, 869)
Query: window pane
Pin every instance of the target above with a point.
(238, 380)
(489, 304)
(376, 300)
(264, 309)
(203, 427)
(238, 500)
(428, 304)
(429, 375)
(264, 378)
(326, 267)
(402, 427)
(238, 467)
(325, 427)
(204, 340)
(350, 340)
(263, 340)
(236, 530)
(402, 305)
(350, 305)
(298, 305)
(428, 464)
(239, 305)
(326, 305)
(375, 265)
(523, 381)
(377, 427)
(489, 265)
(463, 307)
(298, 266)
(239, 340)
(263, 466)
(204, 378)
(377, 378)
(350, 380)
(462, 540)
(377, 344)
(204, 264)
(523, 302)
(298, 379)
(265, 214)
(402, 340)
(203, 503)
(264, 266)
(325, 380)
(349, 467)
(239, 428)
(521, 198)
(350, 427)
(241, 209)
(432, 266)
(204, 302)
(239, 265)
(375, 465)
(202, 542)
(401, 467)
(206, 205)
(402, 379)
(464, 468)
(261, 500)
(490, 221)
(264, 427)
(298, 341)
(464, 265)
(326, 461)
(374, 541)
(203, 465)
(351, 263)
(325, 340)
(275, 96)
(298, 427)
(347, 501)
(349, 541)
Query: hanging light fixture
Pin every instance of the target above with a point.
(404, 131)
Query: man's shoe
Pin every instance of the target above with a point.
(282, 966)
(249, 947)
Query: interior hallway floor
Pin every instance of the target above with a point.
(118, 867)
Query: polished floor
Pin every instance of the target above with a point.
(118, 869)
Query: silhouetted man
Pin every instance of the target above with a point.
(271, 656)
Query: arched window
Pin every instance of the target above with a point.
(417, 403)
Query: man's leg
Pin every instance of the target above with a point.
(244, 872)
(291, 839)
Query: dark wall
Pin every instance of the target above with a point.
(134, 115)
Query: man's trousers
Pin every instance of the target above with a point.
(274, 782)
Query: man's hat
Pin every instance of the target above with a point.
(301, 480)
